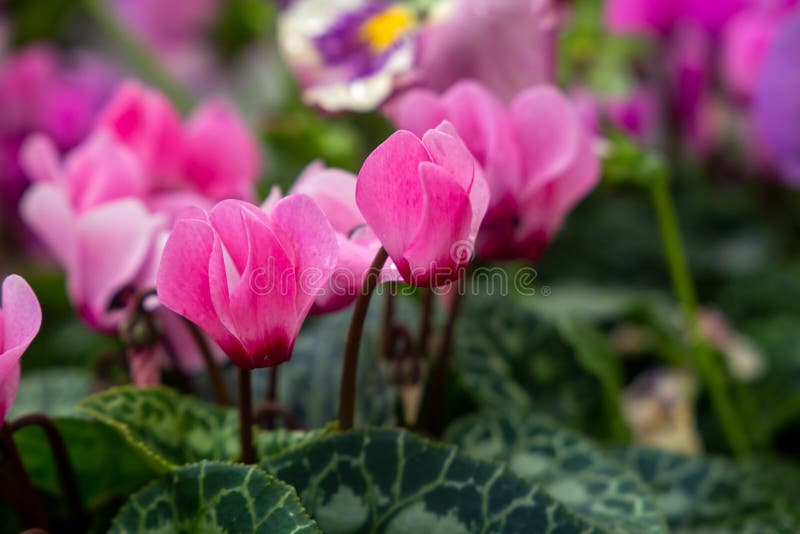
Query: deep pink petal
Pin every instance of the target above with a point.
(221, 158)
(262, 303)
(388, 190)
(449, 152)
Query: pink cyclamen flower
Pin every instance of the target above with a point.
(221, 159)
(249, 278)
(660, 17)
(425, 199)
(536, 155)
(145, 121)
(20, 320)
(334, 191)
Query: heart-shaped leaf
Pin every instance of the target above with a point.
(393, 481)
(215, 497)
(569, 467)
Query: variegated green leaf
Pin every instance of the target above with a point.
(281, 440)
(392, 481)
(171, 428)
(569, 467)
(512, 360)
(701, 494)
(215, 497)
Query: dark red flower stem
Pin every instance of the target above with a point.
(15, 484)
(387, 329)
(218, 388)
(442, 369)
(183, 382)
(425, 322)
(246, 417)
(347, 388)
(66, 475)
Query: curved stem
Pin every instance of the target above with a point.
(66, 475)
(221, 396)
(15, 484)
(184, 384)
(246, 417)
(347, 388)
(266, 413)
(707, 366)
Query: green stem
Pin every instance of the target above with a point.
(16, 487)
(140, 55)
(704, 359)
(246, 417)
(347, 388)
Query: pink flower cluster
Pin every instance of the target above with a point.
(104, 210)
(536, 154)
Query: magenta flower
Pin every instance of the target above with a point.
(249, 278)
(221, 159)
(776, 105)
(536, 155)
(425, 200)
(660, 17)
(334, 191)
(20, 320)
(145, 121)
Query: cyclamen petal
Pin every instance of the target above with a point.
(252, 305)
(423, 198)
(20, 320)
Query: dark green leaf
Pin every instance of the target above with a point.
(701, 494)
(215, 497)
(569, 467)
(171, 428)
(393, 481)
(511, 359)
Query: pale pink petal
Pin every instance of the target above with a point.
(432, 258)
(183, 282)
(417, 110)
(388, 191)
(40, 160)
(46, 210)
(315, 246)
(113, 244)
(275, 194)
(334, 191)
(549, 132)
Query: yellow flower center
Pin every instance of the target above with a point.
(385, 28)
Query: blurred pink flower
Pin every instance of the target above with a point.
(334, 191)
(660, 17)
(249, 278)
(20, 320)
(508, 45)
(425, 199)
(106, 251)
(221, 159)
(41, 90)
(536, 155)
(145, 121)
